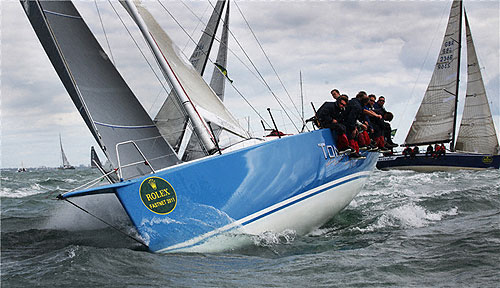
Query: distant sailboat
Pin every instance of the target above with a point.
(235, 184)
(22, 169)
(65, 163)
(477, 144)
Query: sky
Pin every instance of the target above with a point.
(385, 48)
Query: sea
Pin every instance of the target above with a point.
(404, 229)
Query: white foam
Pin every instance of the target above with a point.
(409, 215)
(71, 253)
(267, 239)
(33, 189)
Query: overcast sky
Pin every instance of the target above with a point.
(383, 47)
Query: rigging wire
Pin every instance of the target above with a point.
(140, 50)
(200, 21)
(266, 84)
(261, 78)
(104, 31)
(267, 58)
(113, 59)
(218, 40)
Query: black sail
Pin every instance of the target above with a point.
(106, 103)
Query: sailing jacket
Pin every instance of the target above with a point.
(329, 111)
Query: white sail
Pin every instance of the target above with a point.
(477, 131)
(434, 121)
(65, 162)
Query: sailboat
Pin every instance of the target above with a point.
(22, 169)
(65, 163)
(476, 146)
(228, 185)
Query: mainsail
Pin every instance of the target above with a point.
(107, 105)
(477, 131)
(434, 122)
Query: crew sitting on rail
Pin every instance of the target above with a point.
(429, 151)
(330, 115)
(414, 152)
(407, 151)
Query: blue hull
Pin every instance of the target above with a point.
(297, 182)
(447, 162)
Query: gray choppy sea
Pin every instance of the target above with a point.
(405, 229)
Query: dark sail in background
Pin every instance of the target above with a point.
(94, 159)
(107, 105)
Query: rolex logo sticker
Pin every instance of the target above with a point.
(487, 159)
(152, 183)
(158, 195)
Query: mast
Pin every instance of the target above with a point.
(301, 98)
(199, 124)
(452, 143)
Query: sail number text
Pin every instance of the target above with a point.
(446, 55)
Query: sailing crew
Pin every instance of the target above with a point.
(442, 150)
(355, 121)
(330, 115)
(439, 150)
(407, 151)
(376, 123)
(429, 151)
(414, 152)
(379, 108)
(335, 94)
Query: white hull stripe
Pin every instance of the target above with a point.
(268, 211)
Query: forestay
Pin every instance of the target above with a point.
(477, 131)
(434, 121)
(107, 105)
